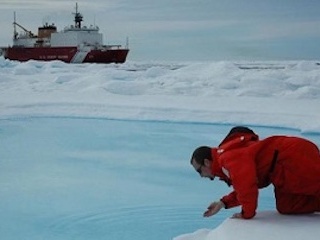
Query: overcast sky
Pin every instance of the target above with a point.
(185, 30)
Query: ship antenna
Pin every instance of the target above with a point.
(127, 43)
(78, 18)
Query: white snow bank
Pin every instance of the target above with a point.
(265, 226)
(281, 94)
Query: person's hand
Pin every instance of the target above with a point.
(237, 216)
(213, 208)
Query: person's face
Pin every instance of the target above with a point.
(204, 170)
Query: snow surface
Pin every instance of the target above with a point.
(284, 95)
(266, 225)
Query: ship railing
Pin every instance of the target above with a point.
(117, 46)
(97, 46)
(84, 28)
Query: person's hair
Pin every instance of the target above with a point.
(200, 154)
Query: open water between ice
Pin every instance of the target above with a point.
(72, 178)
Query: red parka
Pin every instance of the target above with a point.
(291, 164)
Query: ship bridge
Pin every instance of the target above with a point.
(74, 36)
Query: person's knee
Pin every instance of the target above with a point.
(296, 204)
(284, 210)
(295, 209)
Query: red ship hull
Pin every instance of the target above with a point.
(66, 54)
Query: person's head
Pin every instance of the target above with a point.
(201, 160)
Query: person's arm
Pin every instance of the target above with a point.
(230, 200)
(242, 172)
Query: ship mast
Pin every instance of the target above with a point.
(15, 33)
(78, 18)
